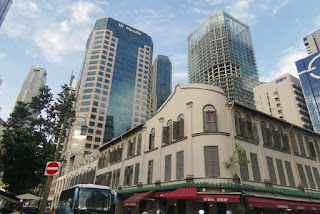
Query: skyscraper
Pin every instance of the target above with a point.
(220, 52)
(114, 85)
(283, 98)
(161, 81)
(4, 7)
(312, 42)
(36, 79)
(309, 74)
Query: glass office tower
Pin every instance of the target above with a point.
(4, 7)
(161, 81)
(309, 74)
(220, 52)
(115, 84)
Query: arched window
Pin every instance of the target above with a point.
(281, 138)
(210, 119)
(121, 151)
(294, 143)
(310, 147)
(133, 147)
(272, 134)
(139, 144)
(129, 151)
(301, 146)
(317, 148)
(180, 127)
(249, 128)
(237, 120)
(117, 154)
(151, 138)
(264, 133)
(169, 132)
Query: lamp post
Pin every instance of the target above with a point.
(49, 179)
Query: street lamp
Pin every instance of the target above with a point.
(84, 129)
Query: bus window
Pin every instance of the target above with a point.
(94, 199)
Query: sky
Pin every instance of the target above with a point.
(53, 34)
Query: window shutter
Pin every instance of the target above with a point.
(179, 165)
(205, 122)
(308, 148)
(238, 125)
(120, 151)
(215, 162)
(175, 131)
(243, 169)
(133, 152)
(130, 175)
(153, 140)
(281, 172)
(302, 175)
(125, 176)
(150, 171)
(272, 173)
(113, 178)
(139, 147)
(277, 139)
(312, 150)
(285, 141)
(290, 174)
(264, 135)
(294, 143)
(244, 131)
(269, 136)
(136, 173)
(316, 175)
(301, 145)
(164, 135)
(255, 133)
(255, 167)
(317, 149)
(208, 161)
(310, 177)
(167, 176)
(118, 177)
(181, 128)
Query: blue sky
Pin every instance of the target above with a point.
(53, 34)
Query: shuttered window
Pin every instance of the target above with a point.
(117, 177)
(317, 149)
(180, 165)
(243, 128)
(237, 120)
(167, 170)
(210, 119)
(212, 165)
(290, 174)
(302, 175)
(294, 143)
(180, 126)
(282, 177)
(270, 136)
(249, 128)
(136, 173)
(169, 132)
(310, 177)
(272, 173)
(133, 152)
(301, 145)
(150, 171)
(255, 133)
(316, 175)
(243, 168)
(312, 150)
(264, 133)
(255, 167)
(139, 145)
(151, 138)
(306, 140)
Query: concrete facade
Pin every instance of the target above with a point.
(36, 79)
(283, 98)
(312, 42)
(198, 129)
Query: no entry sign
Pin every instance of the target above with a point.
(52, 168)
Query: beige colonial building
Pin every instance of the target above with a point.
(176, 160)
(283, 98)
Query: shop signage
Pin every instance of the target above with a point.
(219, 198)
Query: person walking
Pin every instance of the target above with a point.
(159, 211)
(144, 212)
(150, 211)
(128, 211)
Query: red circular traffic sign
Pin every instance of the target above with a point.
(52, 168)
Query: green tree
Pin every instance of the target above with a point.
(233, 159)
(29, 139)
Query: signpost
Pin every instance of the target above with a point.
(52, 168)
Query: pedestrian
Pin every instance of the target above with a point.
(201, 211)
(150, 211)
(18, 209)
(128, 211)
(159, 211)
(144, 212)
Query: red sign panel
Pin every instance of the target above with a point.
(52, 168)
(130, 204)
(217, 198)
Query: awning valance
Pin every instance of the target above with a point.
(281, 204)
(133, 201)
(161, 194)
(182, 193)
(218, 198)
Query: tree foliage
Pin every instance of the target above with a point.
(233, 159)
(28, 141)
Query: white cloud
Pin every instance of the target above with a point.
(286, 63)
(278, 6)
(65, 26)
(34, 8)
(317, 21)
(2, 55)
(103, 2)
(201, 11)
(179, 59)
(214, 2)
(242, 10)
(15, 29)
(81, 12)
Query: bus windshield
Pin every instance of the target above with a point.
(94, 199)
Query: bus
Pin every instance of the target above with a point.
(86, 198)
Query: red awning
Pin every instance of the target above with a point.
(161, 194)
(218, 198)
(182, 193)
(281, 204)
(133, 201)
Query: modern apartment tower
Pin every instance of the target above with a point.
(312, 42)
(114, 91)
(220, 52)
(4, 7)
(36, 79)
(283, 98)
(161, 81)
(309, 74)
